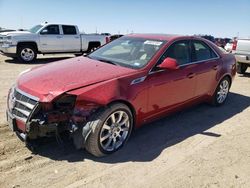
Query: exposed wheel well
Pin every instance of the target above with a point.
(230, 79)
(93, 44)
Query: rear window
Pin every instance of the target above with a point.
(69, 30)
(201, 51)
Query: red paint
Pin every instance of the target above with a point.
(169, 63)
(20, 125)
(98, 84)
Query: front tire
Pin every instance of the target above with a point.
(241, 68)
(111, 128)
(26, 53)
(221, 92)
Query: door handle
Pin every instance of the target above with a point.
(77, 37)
(215, 67)
(59, 37)
(190, 75)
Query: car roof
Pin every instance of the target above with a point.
(166, 37)
(45, 24)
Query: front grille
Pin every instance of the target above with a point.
(22, 104)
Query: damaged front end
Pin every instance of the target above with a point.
(31, 119)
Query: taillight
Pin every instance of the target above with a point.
(234, 45)
(107, 39)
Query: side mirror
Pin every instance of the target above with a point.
(169, 63)
(43, 32)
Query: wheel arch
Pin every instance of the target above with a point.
(219, 80)
(129, 105)
(93, 44)
(32, 43)
(226, 76)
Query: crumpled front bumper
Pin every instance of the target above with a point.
(16, 126)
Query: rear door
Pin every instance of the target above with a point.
(71, 39)
(51, 39)
(207, 66)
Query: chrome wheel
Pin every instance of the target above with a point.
(223, 91)
(27, 54)
(115, 131)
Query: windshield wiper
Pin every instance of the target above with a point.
(107, 61)
(103, 60)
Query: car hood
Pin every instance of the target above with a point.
(49, 81)
(14, 33)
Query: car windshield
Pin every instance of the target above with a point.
(35, 28)
(128, 52)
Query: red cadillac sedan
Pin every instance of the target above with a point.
(99, 99)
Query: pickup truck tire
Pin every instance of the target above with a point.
(26, 53)
(93, 46)
(111, 128)
(241, 68)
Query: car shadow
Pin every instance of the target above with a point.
(38, 61)
(246, 74)
(149, 141)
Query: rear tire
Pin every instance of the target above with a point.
(221, 92)
(111, 128)
(26, 53)
(241, 68)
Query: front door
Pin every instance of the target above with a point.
(169, 89)
(51, 39)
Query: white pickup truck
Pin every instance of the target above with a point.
(241, 50)
(48, 38)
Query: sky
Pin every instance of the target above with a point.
(220, 18)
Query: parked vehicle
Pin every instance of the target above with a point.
(131, 81)
(241, 49)
(48, 39)
(228, 47)
(106, 34)
(208, 37)
(116, 36)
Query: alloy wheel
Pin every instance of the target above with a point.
(115, 131)
(223, 91)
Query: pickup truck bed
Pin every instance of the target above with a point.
(241, 49)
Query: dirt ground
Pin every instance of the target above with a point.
(202, 146)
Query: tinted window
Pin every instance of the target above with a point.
(51, 30)
(69, 30)
(180, 51)
(201, 51)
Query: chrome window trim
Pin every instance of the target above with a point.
(197, 62)
(191, 63)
